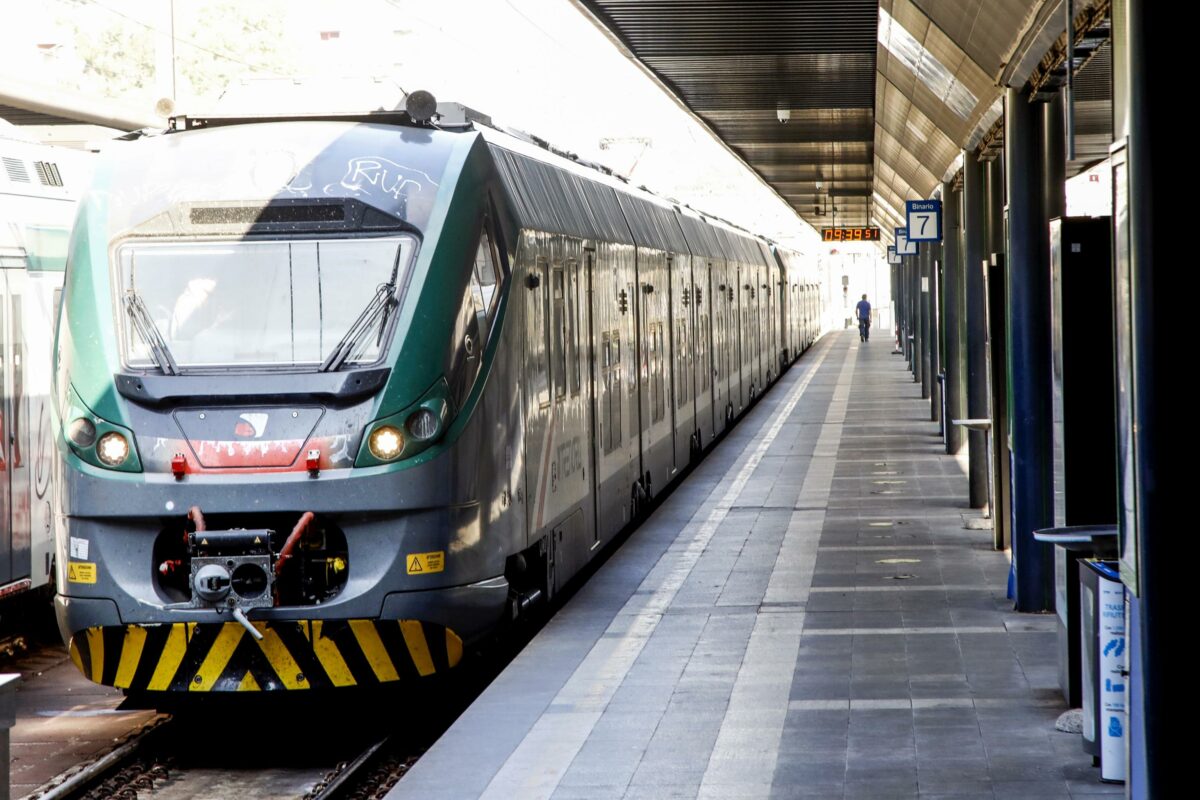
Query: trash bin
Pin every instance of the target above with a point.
(943, 426)
(1073, 542)
(1102, 603)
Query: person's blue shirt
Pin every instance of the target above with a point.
(864, 309)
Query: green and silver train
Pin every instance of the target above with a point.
(39, 188)
(336, 397)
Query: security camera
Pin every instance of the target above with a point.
(784, 114)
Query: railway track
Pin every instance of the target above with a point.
(186, 759)
(342, 747)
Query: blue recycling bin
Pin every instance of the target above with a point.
(1073, 543)
(1105, 679)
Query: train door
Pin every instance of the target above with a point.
(6, 531)
(683, 358)
(795, 325)
(737, 325)
(668, 361)
(771, 346)
(567, 478)
(760, 333)
(777, 344)
(718, 291)
(729, 338)
(587, 327)
(642, 360)
(18, 430)
(703, 302)
(658, 458)
(614, 382)
(10, 541)
(537, 387)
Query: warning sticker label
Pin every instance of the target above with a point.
(79, 548)
(81, 572)
(420, 563)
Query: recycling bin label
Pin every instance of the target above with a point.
(1113, 682)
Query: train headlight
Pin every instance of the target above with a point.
(385, 442)
(113, 449)
(422, 424)
(82, 432)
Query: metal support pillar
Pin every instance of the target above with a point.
(977, 381)
(906, 317)
(902, 307)
(996, 288)
(997, 301)
(1029, 375)
(897, 305)
(923, 310)
(935, 338)
(914, 317)
(956, 323)
(1154, 410)
(1054, 161)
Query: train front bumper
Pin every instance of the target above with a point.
(292, 655)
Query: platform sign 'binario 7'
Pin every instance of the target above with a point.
(924, 219)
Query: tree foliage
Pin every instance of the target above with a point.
(216, 42)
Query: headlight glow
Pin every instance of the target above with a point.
(385, 442)
(113, 449)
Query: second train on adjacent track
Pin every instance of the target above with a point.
(336, 396)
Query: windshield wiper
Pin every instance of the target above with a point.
(380, 306)
(144, 324)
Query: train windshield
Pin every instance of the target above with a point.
(272, 304)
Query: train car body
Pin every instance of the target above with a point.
(335, 398)
(39, 188)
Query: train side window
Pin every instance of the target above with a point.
(487, 273)
(559, 340)
(611, 408)
(683, 353)
(652, 377)
(618, 432)
(18, 382)
(606, 399)
(658, 396)
(538, 335)
(575, 325)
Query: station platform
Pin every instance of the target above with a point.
(805, 616)
(64, 722)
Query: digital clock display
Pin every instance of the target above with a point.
(850, 234)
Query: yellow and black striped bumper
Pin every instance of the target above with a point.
(224, 657)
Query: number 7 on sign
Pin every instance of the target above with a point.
(924, 220)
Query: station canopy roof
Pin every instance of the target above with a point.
(25, 103)
(881, 96)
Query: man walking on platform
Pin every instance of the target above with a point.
(863, 312)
